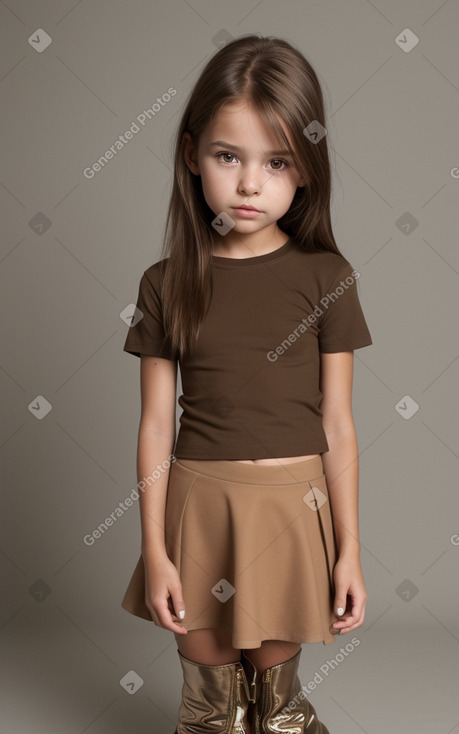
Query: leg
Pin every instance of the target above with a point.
(272, 652)
(281, 705)
(215, 693)
(208, 647)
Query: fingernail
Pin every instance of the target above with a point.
(340, 611)
(182, 614)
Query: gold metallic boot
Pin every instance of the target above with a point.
(215, 698)
(280, 686)
(251, 674)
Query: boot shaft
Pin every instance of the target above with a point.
(215, 698)
(278, 686)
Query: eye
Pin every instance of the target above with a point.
(278, 160)
(273, 160)
(221, 154)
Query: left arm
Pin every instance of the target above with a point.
(341, 468)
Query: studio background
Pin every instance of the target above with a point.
(74, 77)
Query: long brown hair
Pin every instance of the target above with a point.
(276, 79)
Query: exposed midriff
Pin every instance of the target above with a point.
(273, 462)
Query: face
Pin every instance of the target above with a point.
(239, 162)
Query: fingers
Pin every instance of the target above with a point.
(163, 615)
(178, 605)
(352, 618)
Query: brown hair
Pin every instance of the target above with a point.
(275, 79)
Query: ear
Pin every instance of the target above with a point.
(190, 154)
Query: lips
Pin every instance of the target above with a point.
(247, 208)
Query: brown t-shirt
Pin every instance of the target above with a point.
(251, 384)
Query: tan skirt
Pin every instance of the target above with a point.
(254, 547)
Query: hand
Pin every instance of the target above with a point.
(350, 595)
(163, 594)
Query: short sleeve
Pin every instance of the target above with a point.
(342, 325)
(147, 335)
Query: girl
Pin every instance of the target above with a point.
(249, 520)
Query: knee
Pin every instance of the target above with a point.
(272, 652)
(208, 647)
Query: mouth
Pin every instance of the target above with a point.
(246, 207)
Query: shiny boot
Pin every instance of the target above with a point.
(215, 698)
(279, 686)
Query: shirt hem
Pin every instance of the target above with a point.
(187, 451)
(138, 349)
(342, 347)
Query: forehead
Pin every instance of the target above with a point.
(240, 123)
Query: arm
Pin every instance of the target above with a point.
(341, 467)
(163, 592)
(158, 385)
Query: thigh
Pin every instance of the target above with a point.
(208, 647)
(272, 652)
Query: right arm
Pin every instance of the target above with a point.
(158, 385)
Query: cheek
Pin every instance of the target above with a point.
(284, 186)
(215, 178)
(209, 169)
(214, 188)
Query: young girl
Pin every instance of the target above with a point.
(250, 541)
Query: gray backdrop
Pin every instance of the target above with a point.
(74, 77)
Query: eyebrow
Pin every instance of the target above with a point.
(223, 144)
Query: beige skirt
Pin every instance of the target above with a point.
(254, 547)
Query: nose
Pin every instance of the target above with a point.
(249, 183)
